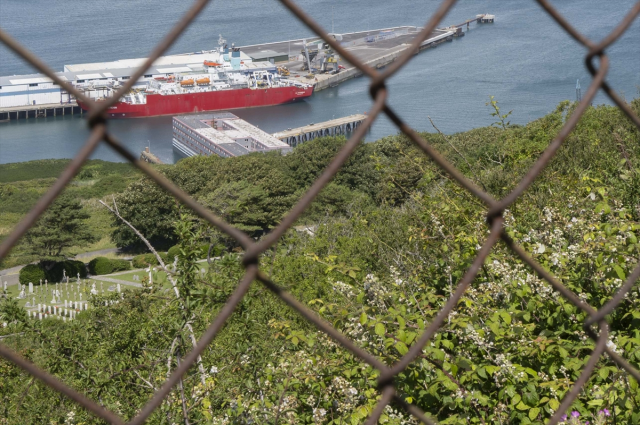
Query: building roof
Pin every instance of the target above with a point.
(196, 121)
(123, 68)
(161, 62)
(258, 135)
(264, 54)
(215, 136)
(235, 149)
(226, 139)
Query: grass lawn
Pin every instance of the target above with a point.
(13, 292)
(158, 276)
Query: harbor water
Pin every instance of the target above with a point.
(524, 59)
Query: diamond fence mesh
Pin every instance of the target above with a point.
(597, 63)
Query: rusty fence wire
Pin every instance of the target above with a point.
(597, 63)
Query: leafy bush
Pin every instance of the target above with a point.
(53, 272)
(204, 249)
(31, 273)
(173, 251)
(120, 265)
(71, 268)
(143, 260)
(100, 265)
(103, 265)
(216, 251)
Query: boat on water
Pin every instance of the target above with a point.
(221, 84)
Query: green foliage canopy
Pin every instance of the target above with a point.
(61, 226)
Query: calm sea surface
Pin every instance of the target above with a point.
(525, 60)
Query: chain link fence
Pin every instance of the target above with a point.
(597, 63)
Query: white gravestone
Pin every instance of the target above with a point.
(118, 287)
(94, 291)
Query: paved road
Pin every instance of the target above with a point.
(122, 282)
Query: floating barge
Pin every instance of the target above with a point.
(222, 134)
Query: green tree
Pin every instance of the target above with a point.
(150, 210)
(243, 205)
(63, 225)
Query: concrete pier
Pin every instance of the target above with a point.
(339, 126)
(39, 111)
(376, 48)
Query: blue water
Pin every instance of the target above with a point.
(525, 60)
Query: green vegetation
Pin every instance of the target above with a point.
(391, 238)
(61, 226)
(104, 265)
(145, 260)
(32, 273)
(52, 271)
(22, 184)
(93, 170)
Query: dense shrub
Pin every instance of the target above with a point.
(120, 265)
(143, 260)
(100, 265)
(216, 251)
(69, 268)
(31, 273)
(173, 251)
(52, 272)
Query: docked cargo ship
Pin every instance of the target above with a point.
(219, 83)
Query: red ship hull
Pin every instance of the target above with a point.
(186, 103)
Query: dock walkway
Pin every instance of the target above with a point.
(39, 111)
(335, 127)
(375, 54)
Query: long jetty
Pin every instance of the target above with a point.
(376, 48)
(336, 127)
(39, 111)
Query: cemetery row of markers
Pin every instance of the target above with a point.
(45, 311)
(49, 302)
